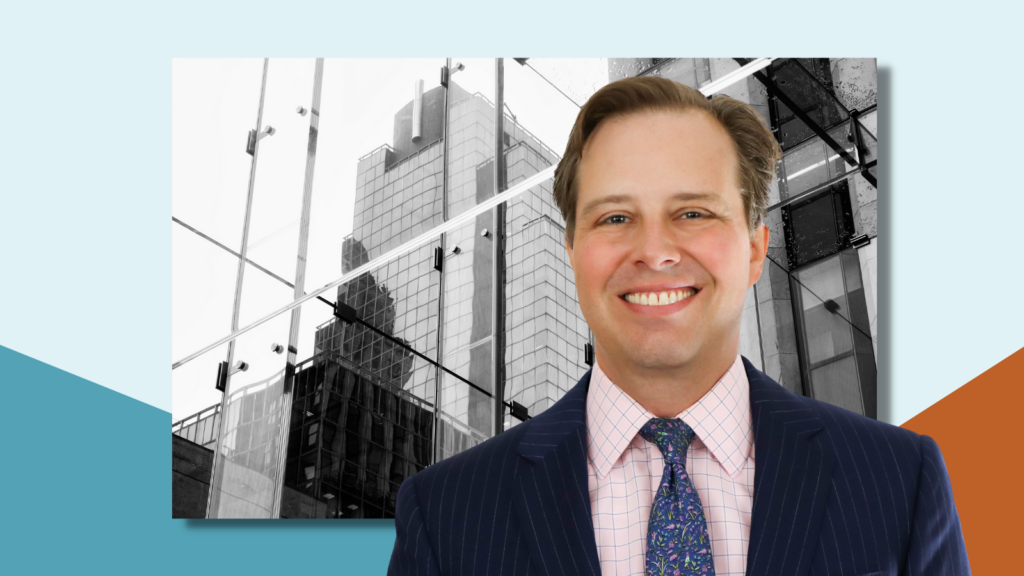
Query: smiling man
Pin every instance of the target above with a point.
(674, 455)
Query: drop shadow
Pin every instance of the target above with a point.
(291, 524)
(884, 308)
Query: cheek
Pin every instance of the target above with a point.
(596, 262)
(726, 259)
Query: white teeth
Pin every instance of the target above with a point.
(660, 299)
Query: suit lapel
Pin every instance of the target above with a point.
(551, 492)
(792, 479)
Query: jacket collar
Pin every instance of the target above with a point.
(552, 494)
(792, 479)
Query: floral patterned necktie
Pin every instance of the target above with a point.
(677, 534)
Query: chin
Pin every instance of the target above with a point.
(658, 357)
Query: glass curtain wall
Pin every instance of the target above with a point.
(472, 331)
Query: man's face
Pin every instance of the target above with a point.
(659, 212)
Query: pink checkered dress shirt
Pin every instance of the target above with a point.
(625, 471)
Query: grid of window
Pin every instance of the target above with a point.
(353, 440)
(400, 299)
(544, 329)
(470, 146)
(397, 201)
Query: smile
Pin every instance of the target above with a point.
(659, 298)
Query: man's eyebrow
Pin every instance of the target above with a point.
(610, 199)
(620, 198)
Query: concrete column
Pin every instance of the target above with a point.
(775, 312)
(750, 337)
(855, 81)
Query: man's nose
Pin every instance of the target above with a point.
(657, 246)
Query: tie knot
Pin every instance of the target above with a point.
(671, 435)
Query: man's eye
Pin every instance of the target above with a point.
(691, 214)
(615, 219)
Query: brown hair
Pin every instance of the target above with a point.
(756, 149)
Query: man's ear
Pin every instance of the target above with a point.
(568, 249)
(758, 251)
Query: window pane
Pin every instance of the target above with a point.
(836, 383)
(804, 168)
(824, 300)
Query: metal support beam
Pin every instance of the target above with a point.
(439, 350)
(498, 261)
(300, 279)
(238, 281)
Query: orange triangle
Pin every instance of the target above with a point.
(979, 430)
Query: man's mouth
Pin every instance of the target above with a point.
(659, 298)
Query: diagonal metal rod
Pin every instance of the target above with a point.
(444, 369)
(232, 252)
(567, 97)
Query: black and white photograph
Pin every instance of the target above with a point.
(371, 272)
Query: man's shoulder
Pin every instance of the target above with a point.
(473, 472)
(845, 422)
(850, 429)
(471, 465)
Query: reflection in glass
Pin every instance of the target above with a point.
(354, 438)
(400, 301)
(246, 475)
(246, 472)
(468, 329)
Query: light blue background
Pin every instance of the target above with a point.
(85, 204)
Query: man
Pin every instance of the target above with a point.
(674, 455)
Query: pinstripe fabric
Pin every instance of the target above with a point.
(835, 494)
(625, 471)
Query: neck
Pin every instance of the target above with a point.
(667, 391)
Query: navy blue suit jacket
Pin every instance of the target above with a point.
(835, 493)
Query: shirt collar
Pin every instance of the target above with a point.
(721, 419)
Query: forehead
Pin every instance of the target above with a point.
(650, 154)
